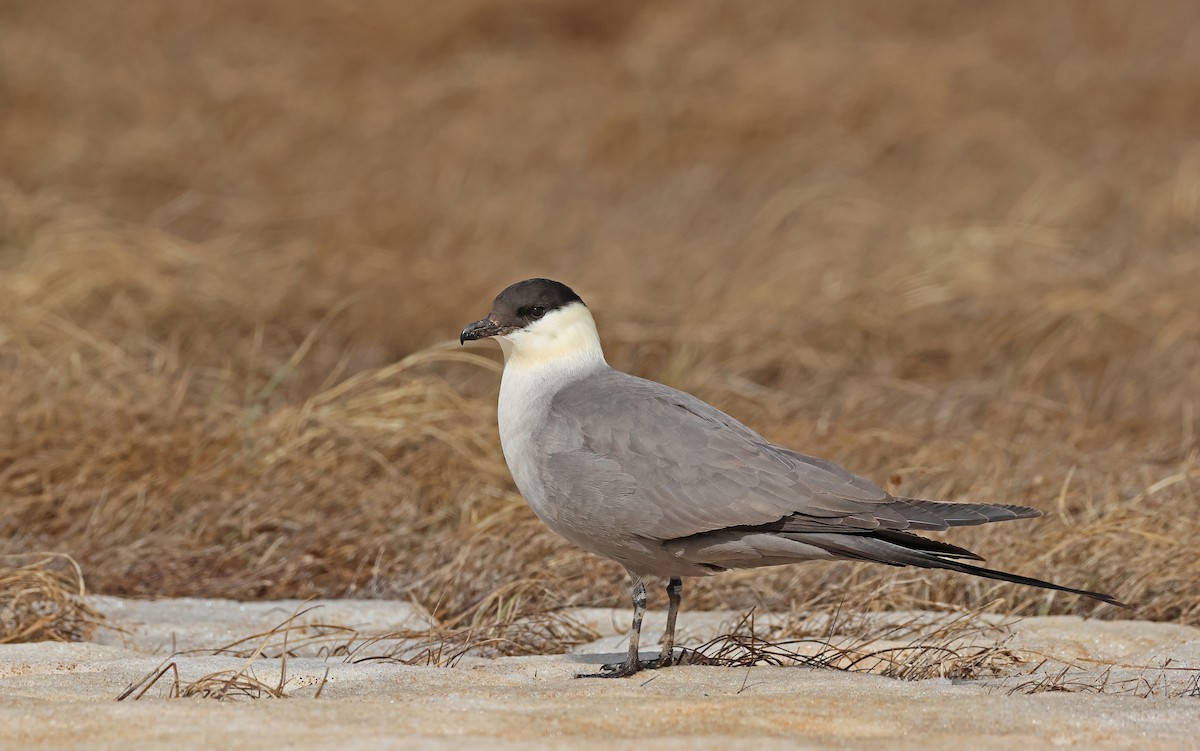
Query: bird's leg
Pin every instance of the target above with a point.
(666, 658)
(632, 663)
(674, 596)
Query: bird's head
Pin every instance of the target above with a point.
(539, 322)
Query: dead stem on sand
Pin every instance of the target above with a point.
(954, 645)
(507, 622)
(512, 620)
(963, 646)
(239, 683)
(42, 599)
(1104, 677)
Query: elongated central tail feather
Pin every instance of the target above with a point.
(904, 549)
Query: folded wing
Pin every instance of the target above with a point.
(689, 468)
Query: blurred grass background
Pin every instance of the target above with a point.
(953, 246)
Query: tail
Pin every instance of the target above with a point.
(876, 533)
(896, 548)
(942, 555)
(1029, 581)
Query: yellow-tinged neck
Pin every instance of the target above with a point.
(565, 339)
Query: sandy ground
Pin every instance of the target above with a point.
(64, 695)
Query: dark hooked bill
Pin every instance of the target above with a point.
(482, 329)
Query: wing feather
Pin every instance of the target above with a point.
(694, 469)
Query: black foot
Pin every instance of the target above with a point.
(625, 669)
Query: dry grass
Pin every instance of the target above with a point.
(951, 246)
(1146, 682)
(504, 623)
(42, 599)
(960, 646)
(222, 685)
(513, 620)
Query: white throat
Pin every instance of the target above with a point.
(562, 345)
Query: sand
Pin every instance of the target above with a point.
(55, 695)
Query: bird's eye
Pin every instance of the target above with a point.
(537, 311)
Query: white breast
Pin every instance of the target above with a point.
(539, 360)
(522, 413)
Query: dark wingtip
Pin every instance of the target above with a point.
(938, 515)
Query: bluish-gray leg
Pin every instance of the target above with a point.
(632, 664)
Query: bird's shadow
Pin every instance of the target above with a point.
(606, 658)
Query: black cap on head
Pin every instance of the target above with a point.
(525, 302)
(520, 305)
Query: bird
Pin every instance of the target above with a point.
(670, 487)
